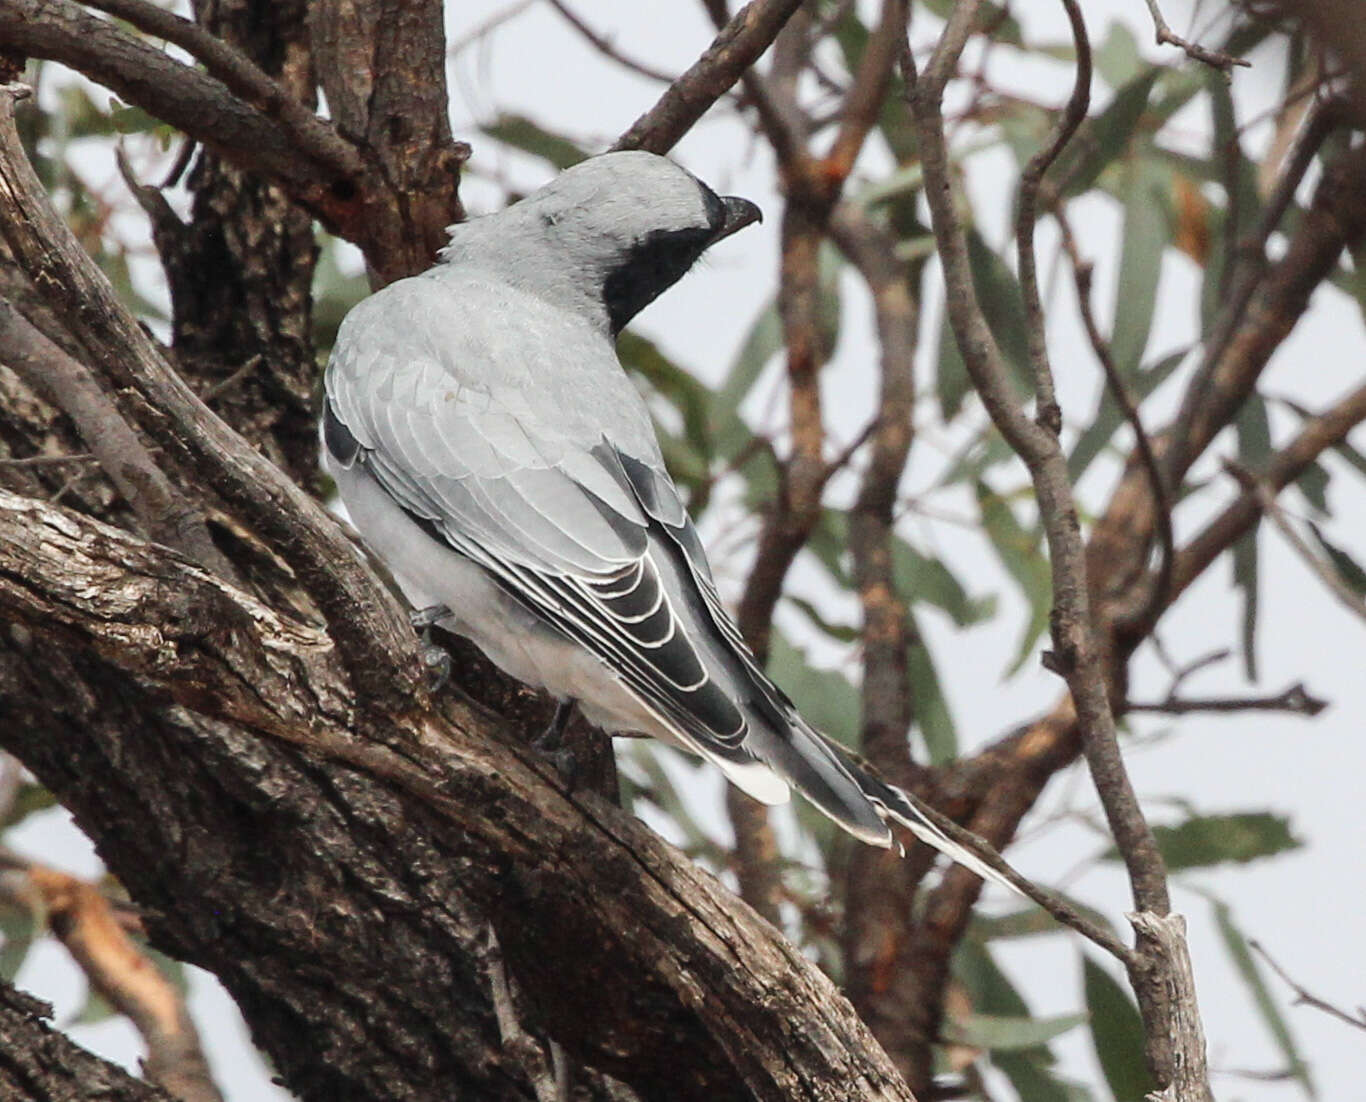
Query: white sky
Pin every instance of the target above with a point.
(1304, 906)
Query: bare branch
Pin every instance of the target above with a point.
(1238, 517)
(735, 49)
(1295, 699)
(312, 137)
(367, 624)
(37, 1061)
(69, 385)
(83, 920)
(1155, 597)
(605, 46)
(1324, 571)
(1193, 50)
(1308, 998)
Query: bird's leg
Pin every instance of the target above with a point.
(550, 742)
(434, 657)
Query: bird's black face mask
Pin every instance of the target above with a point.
(660, 259)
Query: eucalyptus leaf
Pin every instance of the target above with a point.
(1204, 840)
(991, 1031)
(1246, 964)
(1117, 1034)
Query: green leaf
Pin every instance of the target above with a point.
(523, 133)
(843, 633)
(826, 698)
(998, 291)
(1034, 1082)
(932, 715)
(18, 927)
(1104, 138)
(1346, 566)
(920, 579)
(1117, 58)
(1242, 958)
(1107, 419)
(988, 987)
(1117, 1034)
(334, 293)
(992, 1031)
(1204, 840)
(1313, 484)
(1254, 446)
(1029, 921)
(1147, 228)
(31, 797)
(762, 342)
(1020, 554)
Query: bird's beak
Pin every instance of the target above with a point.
(739, 214)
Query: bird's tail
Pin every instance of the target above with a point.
(828, 775)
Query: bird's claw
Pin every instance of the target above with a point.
(435, 658)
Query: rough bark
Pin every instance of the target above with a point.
(341, 889)
(38, 1064)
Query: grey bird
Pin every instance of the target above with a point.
(492, 452)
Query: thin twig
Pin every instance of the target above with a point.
(1193, 50)
(1295, 699)
(1306, 997)
(1266, 498)
(687, 99)
(1058, 908)
(44, 460)
(88, 924)
(312, 136)
(1048, 413)
(605, 46)
(1155, 596)
(166, 515)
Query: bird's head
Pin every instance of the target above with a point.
(628, 225)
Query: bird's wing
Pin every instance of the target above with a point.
(519, 479)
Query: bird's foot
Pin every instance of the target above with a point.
(423, 619)
(435, 658)
(550, 744)
(437, 661)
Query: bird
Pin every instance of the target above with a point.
(492, 452)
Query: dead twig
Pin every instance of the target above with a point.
(735, 49)
(93, 932)
(1305, 997)
(1193, 50)
(1295, 699)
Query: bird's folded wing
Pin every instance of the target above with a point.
(559, 523)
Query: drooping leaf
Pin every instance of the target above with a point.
(1103, 139)
(1246, 964)
(1146, 232)
(1254, 446)
(1109, 417)
(1020, 553)
(1030, 921)
(998, 291)
(922, 579)
(842, 633)
(30, 797)
(826, 698)
(1313, 484)
(1033, 1080)
(1348, 569)
(18, 927)
(1117, 58)
(932, 715)
(529, 136)
(1204, 840)
(1007, 1034)
(1117, 1034)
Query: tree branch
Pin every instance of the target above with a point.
(749, 33)
(1079, 657)
(82, 919)
(389, 864)
(39, 1064)
(67, 384)
(367, 625)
